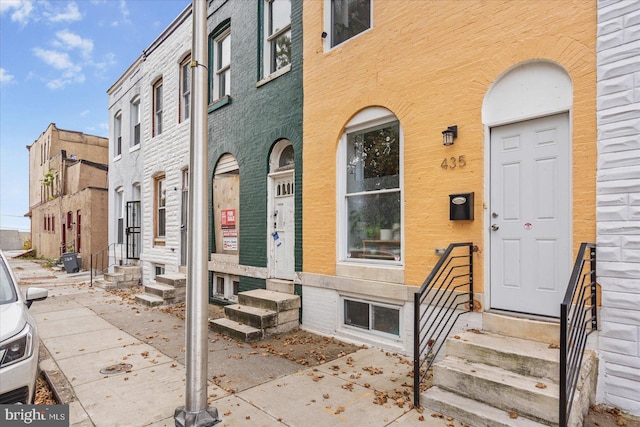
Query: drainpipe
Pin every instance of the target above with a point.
(196, 411)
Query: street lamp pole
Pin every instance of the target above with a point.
(196, 411)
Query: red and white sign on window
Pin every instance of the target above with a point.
(228, 218)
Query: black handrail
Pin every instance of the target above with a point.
(578, 319)
(101, 260)
(449, 289)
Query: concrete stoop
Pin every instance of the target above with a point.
(123, 276)
(259, 313)
(489, 380)
(167, 289)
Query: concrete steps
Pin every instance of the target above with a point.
(489, 384)
(473, 412)
(236, 330)
(149, 300)
(167, 289)
(259, 313)
(258, 318)
(525, 357)
(122, 276)
(487, 379)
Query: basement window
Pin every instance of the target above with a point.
(226, 287)
(158, 269)
(370, 316)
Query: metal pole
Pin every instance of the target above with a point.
(196, 411)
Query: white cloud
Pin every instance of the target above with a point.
(124, 12)
(58, 60)
(9, 4)
(22, 10)
(69, 14)
(84, 113)
(108, 60)
(5, 77)
(124, 9)
(68, 40)
(71, 72)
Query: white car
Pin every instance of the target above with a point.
(19, 341)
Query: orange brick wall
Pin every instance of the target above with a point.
(432, 63)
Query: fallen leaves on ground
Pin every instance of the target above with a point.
(372, 370)
(304, 348)
(347, 386)
(44, 395)
(398, 397)
(612, 416)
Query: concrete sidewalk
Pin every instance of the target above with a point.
(89, 335)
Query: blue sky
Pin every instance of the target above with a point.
(57, 60)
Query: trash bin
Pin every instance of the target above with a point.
(70, 260)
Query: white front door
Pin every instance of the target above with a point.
(281, 227)
(530, 208)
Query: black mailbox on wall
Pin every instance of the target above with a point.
(461, 206)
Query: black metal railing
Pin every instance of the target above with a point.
(578, 319)
(105, 258)
(445, 295)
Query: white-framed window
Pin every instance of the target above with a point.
(157, 107)
(158, 270)
(370, 189)
(378, 318)
(222, 65)
(185, 89)
(135, 121)
(117, 133)
(119, 214)
(160, 206)
(345, 19)
(277, 35)
(226, 286)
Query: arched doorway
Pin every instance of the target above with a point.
(527, 114)
(281, 212)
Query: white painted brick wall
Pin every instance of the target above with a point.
(166, 153)
(126, 169)
(618, 209)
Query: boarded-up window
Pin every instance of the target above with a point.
(226, 204)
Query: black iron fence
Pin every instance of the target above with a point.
(578, 319)
(112, 254)
(445, 295)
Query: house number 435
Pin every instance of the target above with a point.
(452, 162)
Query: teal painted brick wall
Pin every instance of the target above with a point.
(252, 122)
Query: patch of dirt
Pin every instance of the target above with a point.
(305, 348)
(600, 416)
(299, 346)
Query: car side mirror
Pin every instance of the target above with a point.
(35, 294)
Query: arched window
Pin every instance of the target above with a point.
(282, 156)
(226, 204)
(157, 107)
(371, 188)
(135, 121)
(185, 89)
(117, 126)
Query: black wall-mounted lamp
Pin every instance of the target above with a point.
(449, 134)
